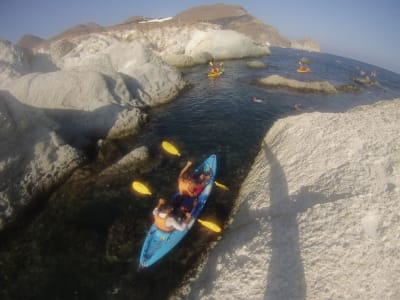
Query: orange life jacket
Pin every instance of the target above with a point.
(161, 223)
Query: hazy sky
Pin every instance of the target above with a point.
(366, 30)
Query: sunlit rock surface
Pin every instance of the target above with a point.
(318, 214)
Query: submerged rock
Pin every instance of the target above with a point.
(364, 80)
(255, 64)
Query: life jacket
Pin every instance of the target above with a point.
(160, 223)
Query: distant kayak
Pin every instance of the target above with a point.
(215, 74)
(303, 70)
(157, 242)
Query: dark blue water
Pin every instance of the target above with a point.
(84, 243)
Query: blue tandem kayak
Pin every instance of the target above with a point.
(157, 242)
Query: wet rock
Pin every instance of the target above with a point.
(256, 64)
(304, 86)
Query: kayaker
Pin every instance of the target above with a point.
(255, 99)
(214, 69)
(163, 218)
(186, 185)
(189, 187)
(297, 107)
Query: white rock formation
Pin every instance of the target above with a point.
(317, 216)
(222, 44)
(33, 158)
(81, 98)
(13, 62)
(256, 64)
(312, 86)
(146, 76)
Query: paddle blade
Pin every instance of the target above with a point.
(141, 188)
(171, 149)
(210, 63)
(222, 186)
(210, 225)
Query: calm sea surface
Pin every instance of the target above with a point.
(84, 241)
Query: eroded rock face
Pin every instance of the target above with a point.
(81, 98)
(13, 62)
(33, 157)
(223, 44)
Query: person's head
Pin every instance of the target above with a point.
(165, 208)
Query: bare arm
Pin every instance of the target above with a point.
(185, 168)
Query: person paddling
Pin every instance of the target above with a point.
(187, 185)
(163, 218)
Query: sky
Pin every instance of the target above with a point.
(365, 30)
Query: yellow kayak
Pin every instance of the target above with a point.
(303, 70)
(215, 74)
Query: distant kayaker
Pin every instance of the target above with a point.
(214, 68)
(163, 218)
(255, 99)
(297, 107)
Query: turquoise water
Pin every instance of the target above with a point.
(64, 251)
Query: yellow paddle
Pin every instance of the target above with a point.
(210, 225)
(167, 146)
(171, 149)
(222, 186)
(141, 188)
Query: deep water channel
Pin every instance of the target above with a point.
(84, 242)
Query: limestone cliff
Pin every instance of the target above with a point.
(318, 214)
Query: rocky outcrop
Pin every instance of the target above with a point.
(81, 98)
(317, 216)
(304, 86)
(33, 157)
(13, 62)
(256, 64)
(221, 45)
